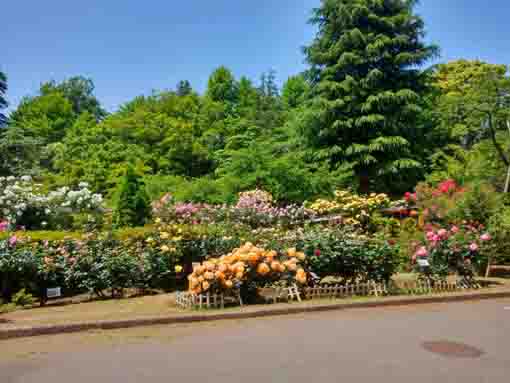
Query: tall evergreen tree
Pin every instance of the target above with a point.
(132, 206)
(364, 66)
(3, 101)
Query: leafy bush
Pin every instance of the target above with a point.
(250, 266)
(458, 250)
(499, 227)
(355, 209)
(350, 256)
(22, 298)
(26, 203)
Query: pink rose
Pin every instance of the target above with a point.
(13, 240)
(436, 238)
(454, 229)
(422, 252)
(430, 235)
(442, 233)
(473, 247)
(486, 237)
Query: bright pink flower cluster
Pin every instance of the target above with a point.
(410, 197)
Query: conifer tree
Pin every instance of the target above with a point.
(365, 70)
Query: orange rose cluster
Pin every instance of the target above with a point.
(248, 261)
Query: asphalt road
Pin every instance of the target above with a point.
(364, 345)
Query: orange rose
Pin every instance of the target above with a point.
(253, 258)
(275, 266)
(209, 276)
(263, 269)
(205, 285)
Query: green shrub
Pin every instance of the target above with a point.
(23, 299)
(478, 203)
(499, 228)
(131, 203)
(349, 256)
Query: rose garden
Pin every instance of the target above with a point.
(437, 238)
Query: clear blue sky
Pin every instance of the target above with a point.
(131, 47)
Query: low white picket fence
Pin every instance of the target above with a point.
(208, 300)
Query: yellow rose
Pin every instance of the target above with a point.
(229, 284)
(178, 268)
(301, 256)
(165, 249)
(164, 235)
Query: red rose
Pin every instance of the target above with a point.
(317, 252)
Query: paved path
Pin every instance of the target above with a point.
(365, 345)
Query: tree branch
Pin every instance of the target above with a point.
(498, 147)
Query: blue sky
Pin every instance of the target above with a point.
(131, 47)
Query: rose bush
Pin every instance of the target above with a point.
(451, 250)
(248, 265)
(25, 203)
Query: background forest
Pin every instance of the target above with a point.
(369, 114)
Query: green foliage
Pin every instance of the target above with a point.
(47, 116)
(367, 89)
(131, 203)
(222, 86)
(20, 154)
(499, 228)
(473, 109)
(23, 299)
(295, 91)
(79, 91)
(479, 203)
(350, 257)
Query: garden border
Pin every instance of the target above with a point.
(207, 317)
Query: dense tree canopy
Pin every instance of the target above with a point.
(366, 113)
